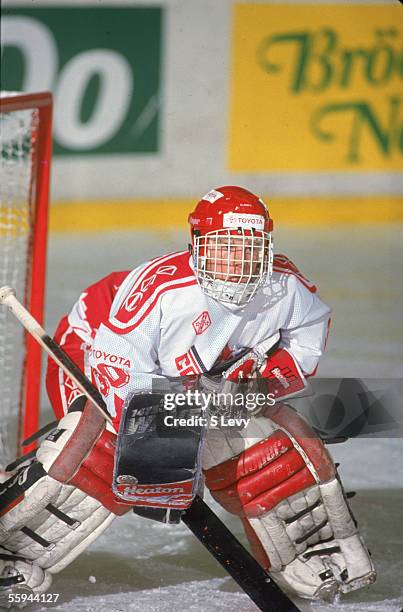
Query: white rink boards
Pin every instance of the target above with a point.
(141, 565)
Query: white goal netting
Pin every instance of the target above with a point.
(18, 139)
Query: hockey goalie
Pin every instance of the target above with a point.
(226, 300)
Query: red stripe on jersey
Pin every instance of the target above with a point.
(169, 268)
(99, 297)
(281, 263)
(130, 328)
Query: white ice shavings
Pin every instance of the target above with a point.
(194, 596)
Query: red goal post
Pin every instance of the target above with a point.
(25, 158)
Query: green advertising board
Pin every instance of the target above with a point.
(103, 66)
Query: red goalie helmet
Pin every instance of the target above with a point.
(232, 244)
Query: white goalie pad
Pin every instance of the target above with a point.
(49, 528)
(332, 559)
(46, 522)
(279, 478)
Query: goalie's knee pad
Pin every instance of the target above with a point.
(55, 505)
(279, 478)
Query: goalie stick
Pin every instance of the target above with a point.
(7, 297)
(199, 518)
(235, 559)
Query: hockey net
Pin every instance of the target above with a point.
(25, 153)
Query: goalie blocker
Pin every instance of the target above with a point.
(276, 475)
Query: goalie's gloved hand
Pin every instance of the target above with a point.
(278, 376)
(280, 372)
(221, 395)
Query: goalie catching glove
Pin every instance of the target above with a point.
(56, 504)
(279, 478)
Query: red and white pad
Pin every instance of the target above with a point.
(279, 478)
(55, 505)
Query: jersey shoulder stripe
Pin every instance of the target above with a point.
(146, 285)
(283, 265)
(98, 298)
(93, 306)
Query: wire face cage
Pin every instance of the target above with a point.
(231, 265)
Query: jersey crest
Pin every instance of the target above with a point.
(202, 322)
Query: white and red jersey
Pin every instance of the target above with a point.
(75, 334)
(162, 324)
